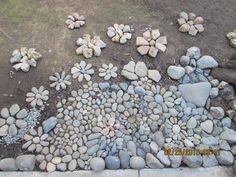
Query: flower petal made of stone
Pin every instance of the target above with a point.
(30, 94)
(68, 77)
(29, 99)
(63, 85)
(67, 82)
(39, 102)
(88, 66)
(82, 64)
(5, 113)
(105, 66)
(58, 87)
(102, 74)
(53, 84)
(57, 75)
(76, 75)
(90, 71)
(114, 69)
(75, 70)
(45, 92)
(53, 78)
(45, 98)
(87, 77)
(80, 78)
(34, 90)
(15, 108)
(102, 70)
(110, 65)
(107, 77)
(41, 89)
(33, 103)
(113, 74)
(63, 75)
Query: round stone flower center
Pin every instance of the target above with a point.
(176, 129)
(83, 71)
(38, 96)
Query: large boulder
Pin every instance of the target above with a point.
(197, 93)
(25, 162)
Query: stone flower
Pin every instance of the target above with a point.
(190, 23)
(75, 21)
(24, 58)
(145, 82)
(110, 128)
(82, 71)
(176, 130)
(151, 43)
(12, 120)
(108, 71)
(37, 96)
(35, 140)
(119, 33)
(89, 47)
(60, 81)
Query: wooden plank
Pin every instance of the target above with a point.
(224, 74)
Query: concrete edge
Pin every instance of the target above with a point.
(217, 171)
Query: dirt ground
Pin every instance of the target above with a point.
(40, 24)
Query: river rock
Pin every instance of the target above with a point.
(124, 159)
(217, 112)
(25, 162)
(97, 164)
(153, 162)
(8, 164)
(137, 162)
(228, 135)
(207, 126)
(112, 162)
(207, 62)
(154, 75)
(209, 161)
(141, 69)
(175, 72)
(163, 158)
(225, 158)
(193, 161)
(49, 124)
(197, 93)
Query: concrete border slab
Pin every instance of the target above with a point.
(217, 171)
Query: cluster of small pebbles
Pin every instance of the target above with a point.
(89, 47)
(232, 38)
(113, 126)
(190, 23)
(75, 21)
(60, 80)
(24, 58)
(193, 67)
(151, 43)
(119, 33)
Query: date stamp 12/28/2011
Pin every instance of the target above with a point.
(186, 152)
